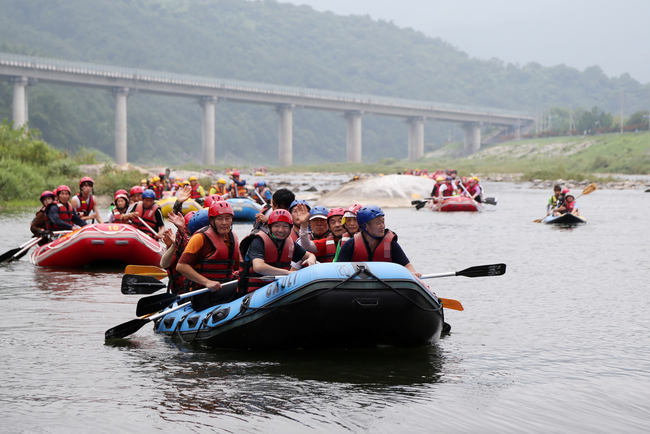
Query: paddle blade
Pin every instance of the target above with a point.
(448, 303)
(135, 284)
(420, 205)
(416, 196)
(146, 270)
(490, 200)
(589, 189)
(538, 220)
(483, 271)
(9, 255)
(153, 304)
(125, 329)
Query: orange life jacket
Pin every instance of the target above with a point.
(237, 190)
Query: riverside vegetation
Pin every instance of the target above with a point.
(279, 43)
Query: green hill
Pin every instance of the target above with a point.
(268, 42)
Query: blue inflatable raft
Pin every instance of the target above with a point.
(340, 305)
(244, 208)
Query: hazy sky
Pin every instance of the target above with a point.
(614, 35)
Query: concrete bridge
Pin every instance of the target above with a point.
(26, 70)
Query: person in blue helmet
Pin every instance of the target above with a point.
(374, 243)
(318, 222)
(261, 194)
(295, 215)
(147, 215)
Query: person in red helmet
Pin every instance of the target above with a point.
(135, 195)
(211, 258)
(568, 205)
(349, 220)
(121, 204)
(84, 202)
(325, 249)
(61, 216)
(237, 188)
(274, 254)
(39, 223)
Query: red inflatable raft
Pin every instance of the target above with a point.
(100, 243)
(459, 203)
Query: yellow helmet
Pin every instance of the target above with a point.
(143, 181)
(193, 178)
(475, 178)
(155, 179)
(221, 181)
(440, 178)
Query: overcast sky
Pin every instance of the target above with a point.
(614, 35)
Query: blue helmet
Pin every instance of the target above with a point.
(261, 183)
(298, 202)
(199, 220)
(148, 194)
(318, 211)
(367, 213)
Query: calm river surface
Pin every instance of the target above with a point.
(559, 344)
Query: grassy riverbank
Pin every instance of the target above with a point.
(576, 157)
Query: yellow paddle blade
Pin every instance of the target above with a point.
(146, 270)
(589, 189)
(538, 220)
(416, 196)
(448, 303)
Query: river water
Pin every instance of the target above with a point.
(558, 344)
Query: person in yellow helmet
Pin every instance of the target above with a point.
(157, 187)
(219, 188)
(197, 191)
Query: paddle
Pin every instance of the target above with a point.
(130, 327)
(478, 271)
(147, 226)
(159, 302)
(138, 284)
(448, 303)
(490, 200)
(588, 190)
(258, 195)
(146, 270)
(20, 251)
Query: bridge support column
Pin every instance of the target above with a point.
(353, 136)
(207, 103)
(416, 138)
(472, 137)
(285, 136)
(20, 113)
(121, 94)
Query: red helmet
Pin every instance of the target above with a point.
(280, 215)
(335, 212)
(220, 208)
(61, 188)
(122, 194)
(351, 211)
(235, 173)
(212, 199)
(87, 179)
(46, 193)
(188, 216)
(565, 191)
(136, 190)
(161, 174)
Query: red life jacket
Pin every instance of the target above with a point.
(85, 207)
(158, 190)
(294, 235)
(449, 191)
(194, 193)
(472, 190)
(569, 206)
(65, 214)
(149, 217)
(436, 190)
(331, 246)
(273, 258)
(118, 214)
(382, 252)
(220, 265)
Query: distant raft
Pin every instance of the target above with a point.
(167, 204)
(342, 305)
(244, 208)
(458, 203)
(100, 244)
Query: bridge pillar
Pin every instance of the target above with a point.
(472, 137)
(353, 136)
(120, 93)
(416, 138)
(207, 103)
(20, 113)
(285, 136)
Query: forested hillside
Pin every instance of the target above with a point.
(275, 43)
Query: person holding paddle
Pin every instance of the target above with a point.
(569, 205)
(211, 258)
(61, 215)
(39, 224)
